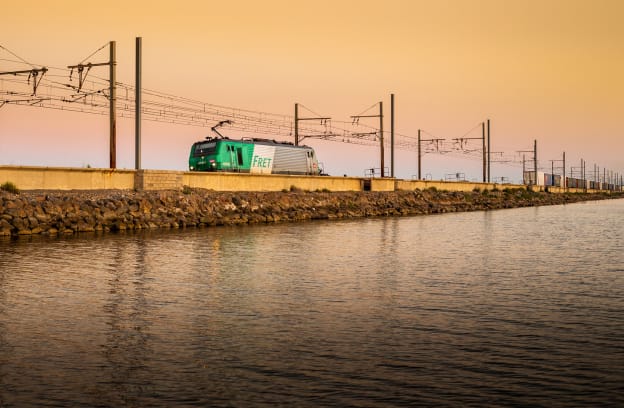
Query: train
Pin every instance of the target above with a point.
(253, 155)
(545, 179)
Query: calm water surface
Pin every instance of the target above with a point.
(519, 307)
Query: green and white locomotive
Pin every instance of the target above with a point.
(259, 156)
(251, 155)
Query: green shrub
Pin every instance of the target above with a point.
(186, 190)
(9, 187)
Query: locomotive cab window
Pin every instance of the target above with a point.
(202, 149)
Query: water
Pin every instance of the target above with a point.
(519, 307)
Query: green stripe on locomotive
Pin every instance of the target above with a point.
(221, 155)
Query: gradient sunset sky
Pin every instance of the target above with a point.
(546, 70)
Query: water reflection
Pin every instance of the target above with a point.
(127, 347)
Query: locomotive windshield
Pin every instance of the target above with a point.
(204, 148)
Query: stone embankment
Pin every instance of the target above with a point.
(56, 212)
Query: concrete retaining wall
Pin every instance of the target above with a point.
(66, 178)
(259, 182)
(385, 184)
(449, 185)
(158, 180)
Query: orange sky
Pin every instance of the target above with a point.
(545, 70)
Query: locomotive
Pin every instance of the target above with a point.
(252, 155)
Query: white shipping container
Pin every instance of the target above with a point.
(529, 178)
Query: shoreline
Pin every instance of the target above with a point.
(72, 212)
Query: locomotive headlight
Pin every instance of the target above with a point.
(192, 168)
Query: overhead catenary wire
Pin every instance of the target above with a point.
(166, 111)
(374, 106)
(17, 56)
(94, 52)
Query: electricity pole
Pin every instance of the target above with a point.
(484, 155)
(298, 119)
(419, 155)
(534, 151)
(112, 96)
(113, 100)
(461, 141)
(535, 160)
(583, 175)
(137, 106)
(437, 144)
(392, 135)
(552, 169)
(489, 150)
(381, 138)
